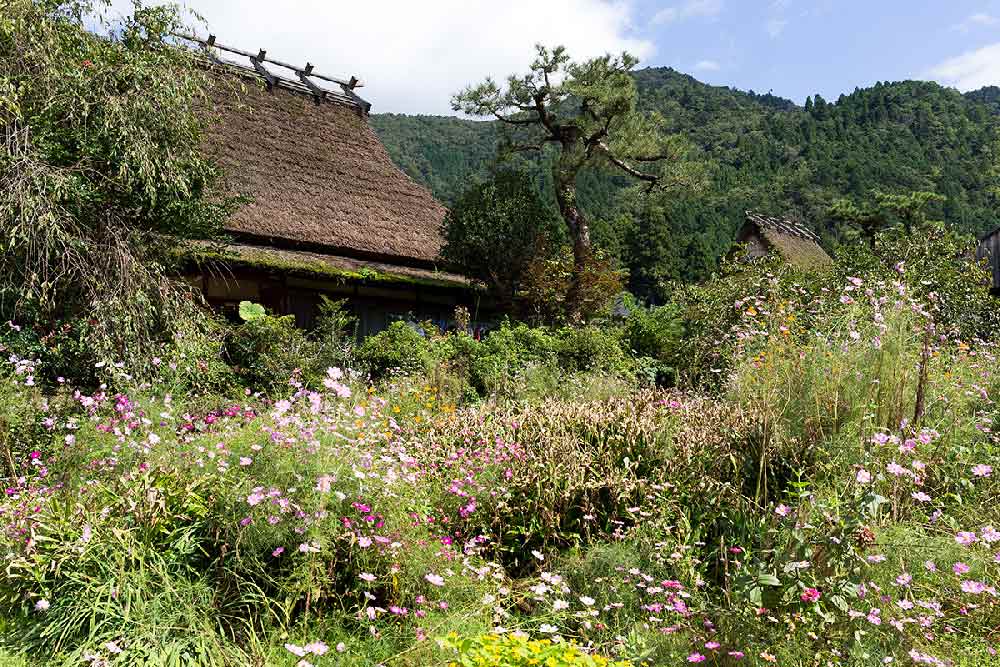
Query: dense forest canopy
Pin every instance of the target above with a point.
(762, 152)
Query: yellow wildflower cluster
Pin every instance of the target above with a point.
(517, 650)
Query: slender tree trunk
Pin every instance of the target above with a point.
(579, 230)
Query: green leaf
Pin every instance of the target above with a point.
(250, 311)
(768, 580)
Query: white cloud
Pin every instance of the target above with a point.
(971, 70)
(775, 27)
(980, 19)
(414, 55)
(690, 9)
(707, 66)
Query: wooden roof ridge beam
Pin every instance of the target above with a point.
(351, 83)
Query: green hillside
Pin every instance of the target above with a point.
(763, 152)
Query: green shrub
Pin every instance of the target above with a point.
(654, 336)
(334, 334)
(591, 348)
(193, 362)
(506, 352)
(400, 349)
(266, 351)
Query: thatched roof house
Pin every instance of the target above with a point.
(327, 210)
(762, 235)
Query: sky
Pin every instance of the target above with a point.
(413, 55)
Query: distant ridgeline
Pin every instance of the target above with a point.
(767, 154)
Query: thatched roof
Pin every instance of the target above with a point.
(792, 241)
(317, 175)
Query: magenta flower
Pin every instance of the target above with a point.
(696, 657)
(960, 568)
(982, 470)
(810, 595)
(783, 510)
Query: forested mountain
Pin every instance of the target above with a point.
(763, 152)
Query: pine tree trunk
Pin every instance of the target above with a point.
(579, 230)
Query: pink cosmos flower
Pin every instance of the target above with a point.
(316, 648)
(783, 510)
(975, 587)
(696, 657)
(712, 645)
(965, 538)
(982, 470)
(960, 568)
(921, 496)
(434, 579)
(896, 469)
(295, 650)
(863, 476)
(737, 655)
(904, 579)
(930, 566)
(810, 595)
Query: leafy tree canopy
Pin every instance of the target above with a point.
(99, 161)
(495, 229)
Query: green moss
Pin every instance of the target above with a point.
(319, 269)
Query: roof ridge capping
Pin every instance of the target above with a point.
(784, 225)
(303, 83)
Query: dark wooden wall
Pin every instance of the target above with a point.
(376, 307)
(989, 249)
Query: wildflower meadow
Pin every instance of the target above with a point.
(825, 494)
